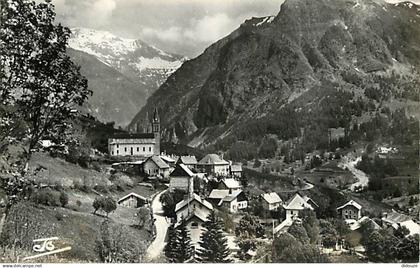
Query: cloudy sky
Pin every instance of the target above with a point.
(185, 27)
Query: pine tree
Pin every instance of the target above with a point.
(170, 247)
(213, 244)
(184, 248)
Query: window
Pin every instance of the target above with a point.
(194, 225)
(118, 151)
(138, 149)
(125, 149)
(144, 149)
(118, 146)
(150, 149)
(112, 153)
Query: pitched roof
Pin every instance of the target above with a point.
(232, 196)
(188, 160)
(158, 161)
(236, 168)
(413, 227)
(213, 159)
(231, 183)
(196, 213)
(196, 197)
(395, 217)
(167, 159)
(181, 170)
(297, 203)
(218, 194)
(131, 194)
(133, 136)
(351, 203)
(271, 198)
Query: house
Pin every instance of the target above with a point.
(216, 195)
(155, 166)
(236, 171)
(234, 201)
(189, 160)
(194, 211)
(168, 160)
(310, 201)
(181, 178)
(350, 210)
(395, 220)
(132, 200)
(296, 204)
(137, 144)
(271, 201)
(213, 164)
(230, 184)
(356, 224)
(334, 134)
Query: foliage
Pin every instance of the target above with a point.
(213, 244)
(249, 226)
(299, 232)
(170, 249)
(105, 203)
(64, 199)
(287, 249)
(46, 197)
(115, 245)
(268, 148)
(184, 249)
(169, 201)
(257, 163)
(143, 216)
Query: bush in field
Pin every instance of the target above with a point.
(64, 199)
(46, 197)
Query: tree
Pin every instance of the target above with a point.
(299, 232)
(39, 84)
(408, 249)
(401, 232)
(249, 226)
(311, 225)
(213, 244)
(171, 246)
(184, 249)
(143, 216)
(107, 204)
(38, 77)
(257, 163)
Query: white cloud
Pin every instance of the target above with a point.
(210, 28)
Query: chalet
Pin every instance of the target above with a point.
(334, 134)
(137, 144)
(350, 210)
(181, 178)
(213, 164)
(395, 220)
(296, 204)
(236, 171)
(189, 160)
(271, 201)
(194, 211)
(217, 195)
(234, 201)
(132, 200)
(230, 184)
(155, 166)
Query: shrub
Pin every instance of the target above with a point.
(59, 216)
(45, 197)
(101, 188)
(78, 203)
(64, 199)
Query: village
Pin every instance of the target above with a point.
(199, 188)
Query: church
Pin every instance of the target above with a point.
(141, 145)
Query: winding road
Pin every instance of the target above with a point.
(162, 224)
(350, 163)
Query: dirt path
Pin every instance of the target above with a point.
(162, 224)
(3, 217)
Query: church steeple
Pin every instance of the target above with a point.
(156, 130)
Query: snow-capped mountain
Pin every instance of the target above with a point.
(136, 62)
(132, 57)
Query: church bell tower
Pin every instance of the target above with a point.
(156, 131)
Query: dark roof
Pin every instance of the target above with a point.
(133, 136)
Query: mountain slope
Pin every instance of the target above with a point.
(122, 72)
(115, 97)
(274, 75)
